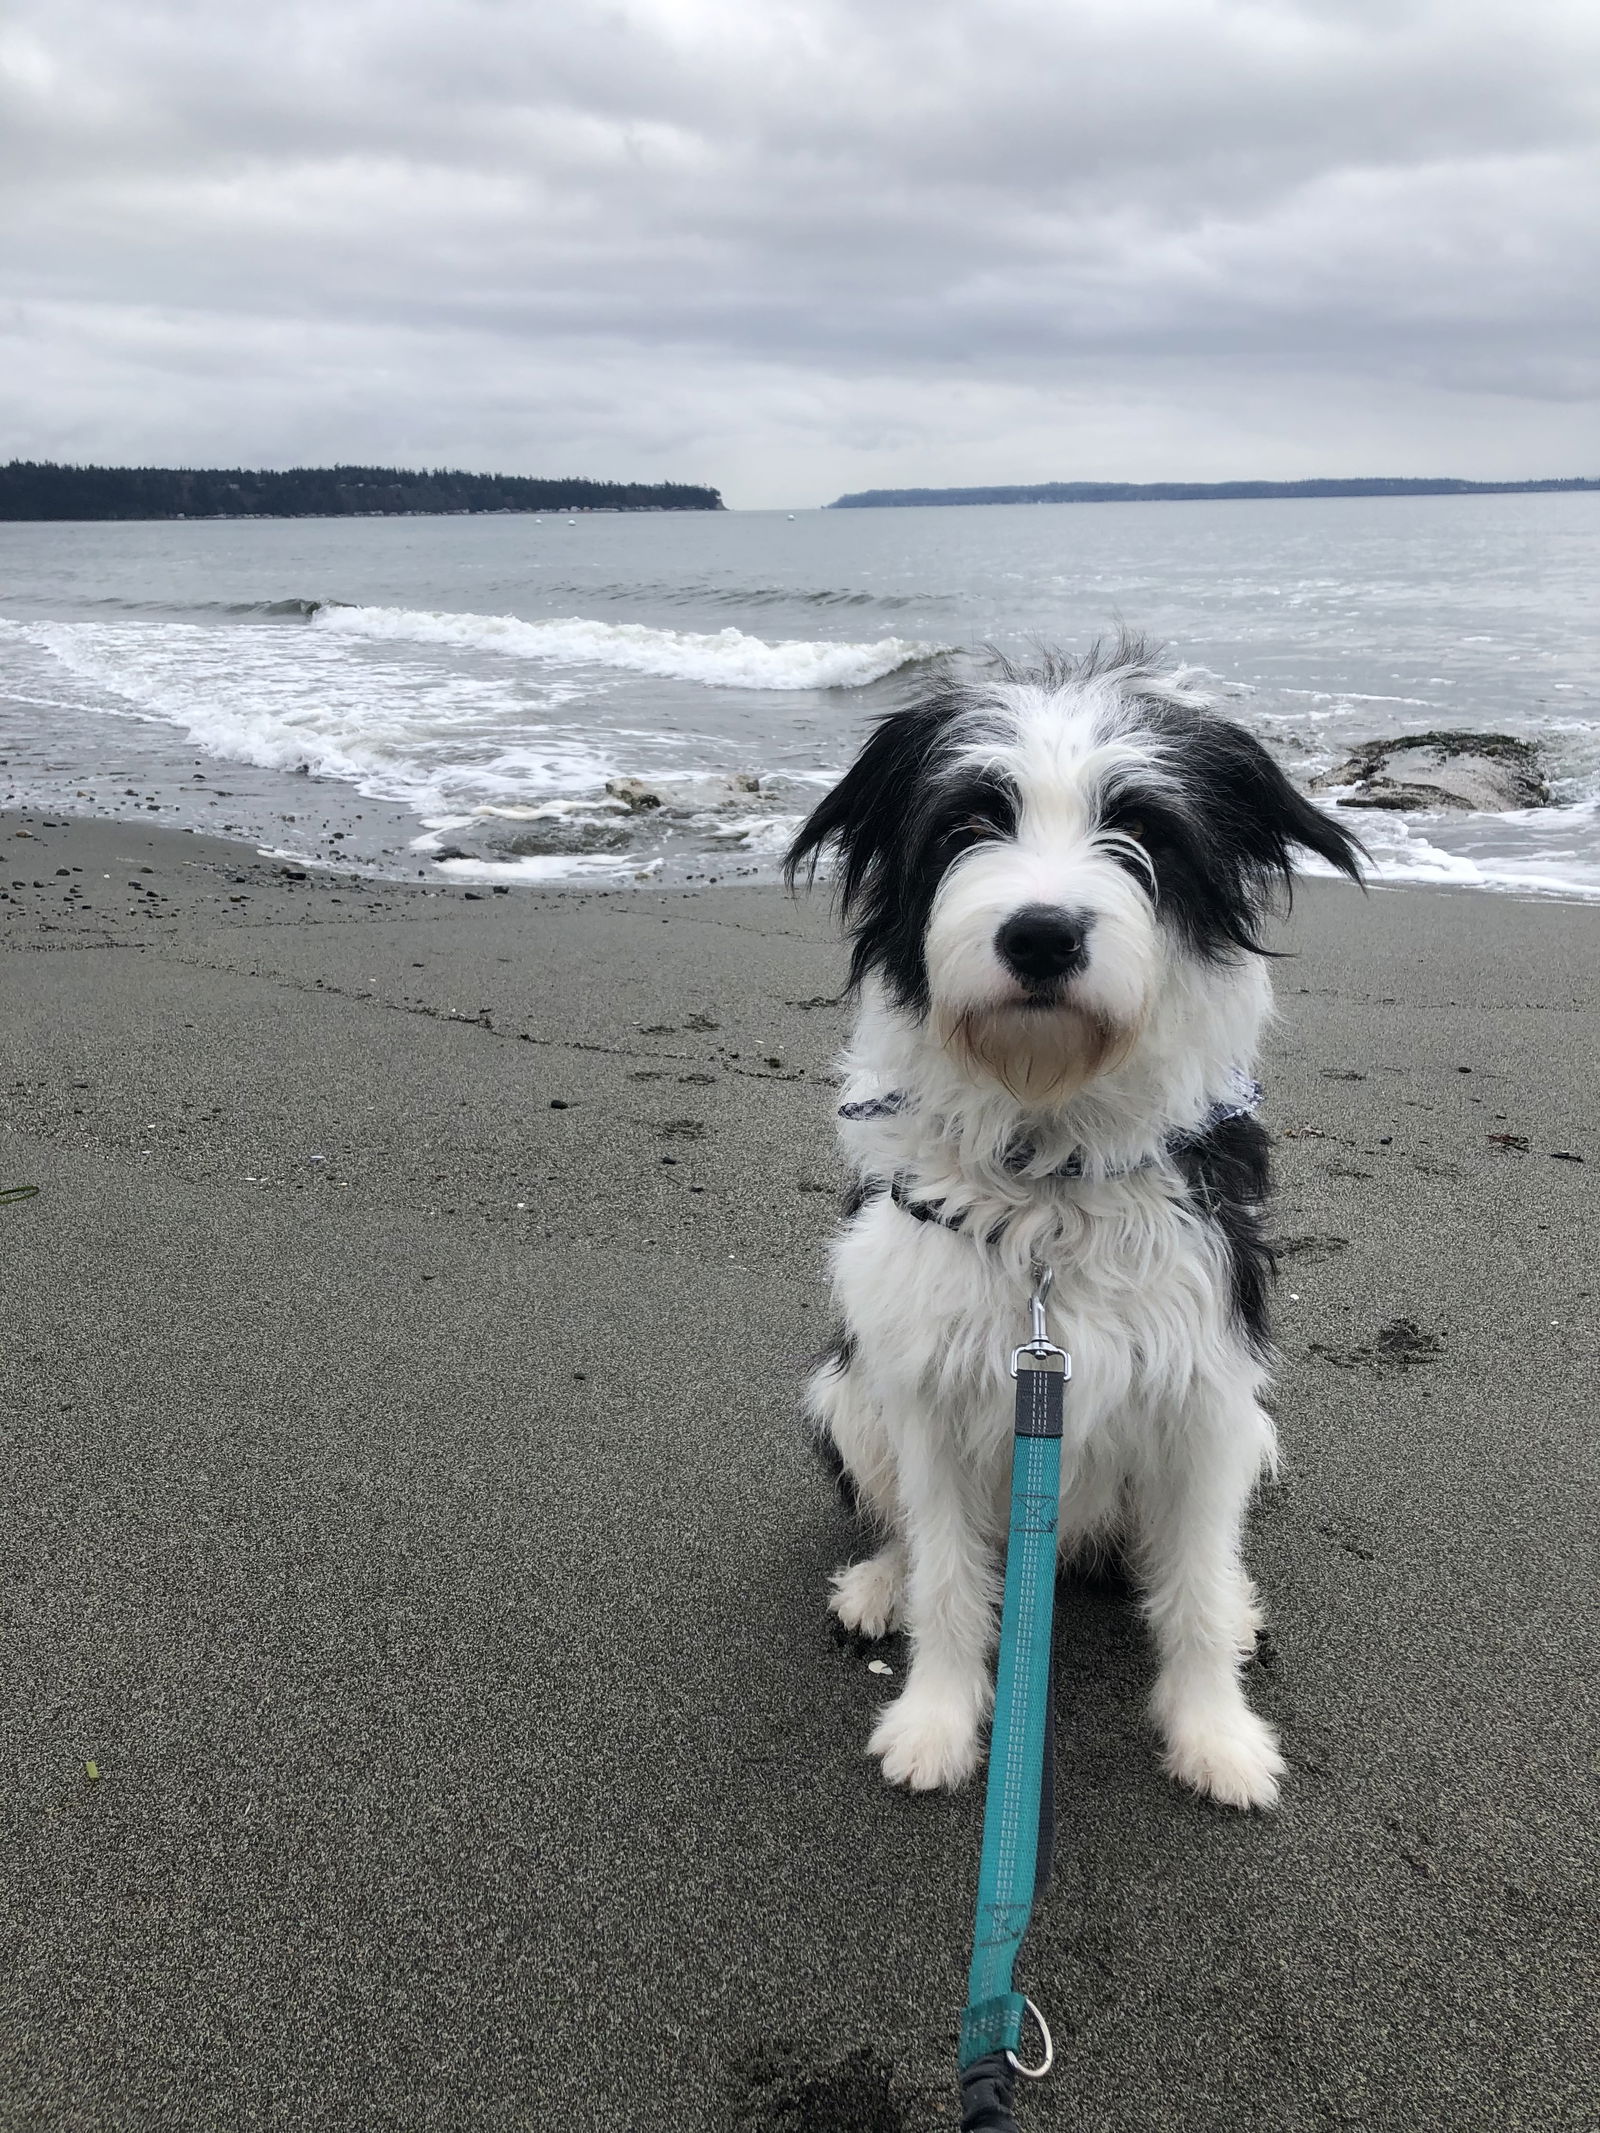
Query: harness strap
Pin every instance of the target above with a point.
(933, 1211)
(1015, 1860)
(1243, 1102)
(1246, 1102)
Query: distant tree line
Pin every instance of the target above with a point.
(35, 489)
(1153, 492)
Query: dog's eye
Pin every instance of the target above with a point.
(1140, 826)
(967, 831)
(1144, 830)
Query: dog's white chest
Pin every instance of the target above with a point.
(1138, 1296)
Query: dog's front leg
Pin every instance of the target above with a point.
(931, 1735)
(1200, 1601)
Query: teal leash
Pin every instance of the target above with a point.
(1015, 1862)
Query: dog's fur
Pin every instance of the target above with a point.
(1150, 835)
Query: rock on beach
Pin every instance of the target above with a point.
(1484, 773)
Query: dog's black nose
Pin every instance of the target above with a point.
(1040, 943)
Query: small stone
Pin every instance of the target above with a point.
(637, 797)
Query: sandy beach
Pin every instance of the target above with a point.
(406, 1518)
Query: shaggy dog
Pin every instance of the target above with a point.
(1054, 881)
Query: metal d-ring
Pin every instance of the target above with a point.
(1036, 2073)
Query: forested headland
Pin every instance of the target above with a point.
(39, 489)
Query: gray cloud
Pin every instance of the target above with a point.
(808, 246)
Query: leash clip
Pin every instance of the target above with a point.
(1040, 1347)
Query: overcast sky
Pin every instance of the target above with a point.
(792, 247)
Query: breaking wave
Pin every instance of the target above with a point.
(726, 659)
(432, 741)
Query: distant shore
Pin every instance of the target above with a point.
(42, 490)
(1184, 492)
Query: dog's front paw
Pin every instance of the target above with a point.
(928, 1740)
(1228, 1754)
(866, 1596)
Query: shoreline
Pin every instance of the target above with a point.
(498, 685)
(393, 823)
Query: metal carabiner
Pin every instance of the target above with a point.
(1043, 1276)
(1040, 1346)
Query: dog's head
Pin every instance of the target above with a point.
(1026, 864)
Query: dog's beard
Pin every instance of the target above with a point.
(1039, 1055)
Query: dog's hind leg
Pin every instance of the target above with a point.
(866, 1597)
(1189, 1509)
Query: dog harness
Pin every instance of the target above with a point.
(1244, 1103)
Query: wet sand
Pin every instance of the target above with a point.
(405, 1516)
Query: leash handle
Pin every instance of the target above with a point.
(1009, 1872)
(988, 2095)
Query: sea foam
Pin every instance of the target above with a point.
(433, 740)
(725, 659)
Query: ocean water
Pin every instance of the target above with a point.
(377, 692)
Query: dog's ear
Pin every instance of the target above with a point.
(1232, 859)
(1264, 816)
(865, 818)
(860, 816)
(880, 821)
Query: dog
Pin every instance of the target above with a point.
(1054, 879)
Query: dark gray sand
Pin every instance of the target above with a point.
(404, 1514)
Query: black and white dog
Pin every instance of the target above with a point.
(1054, 882)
